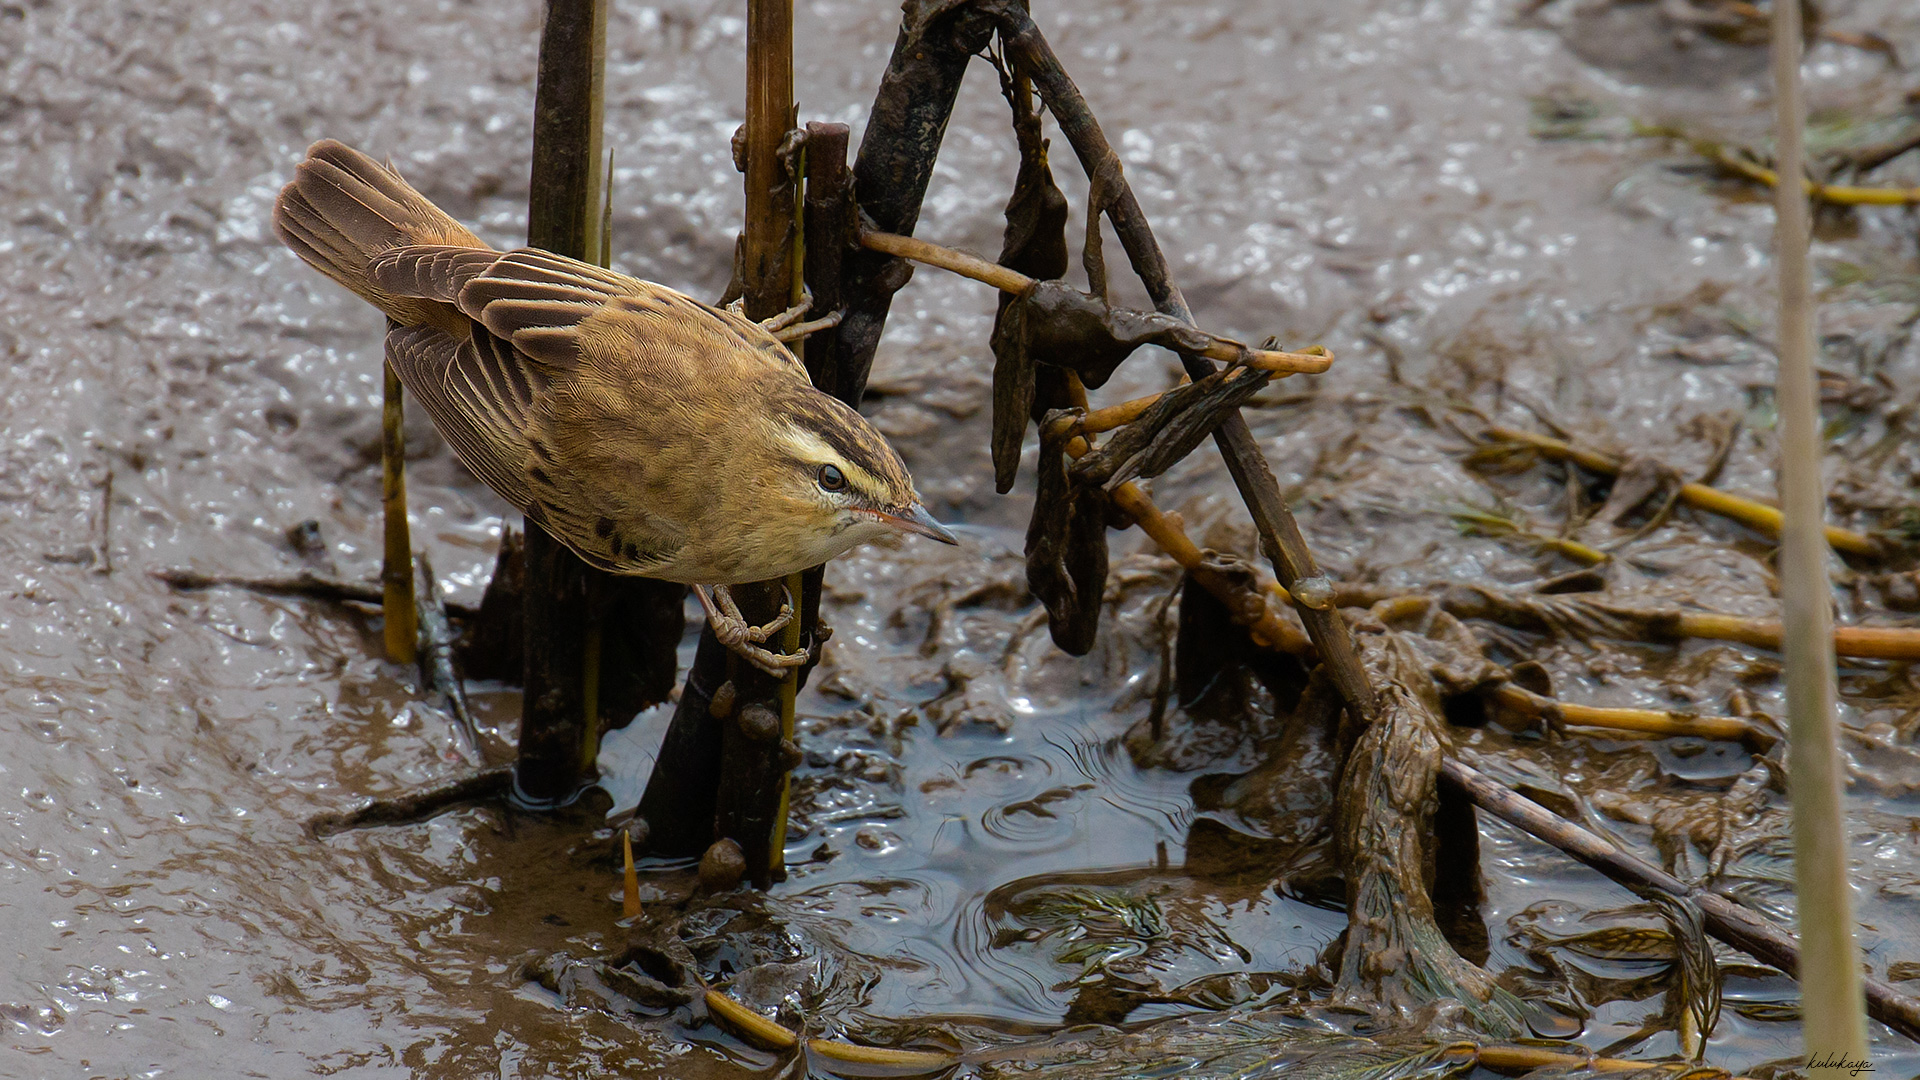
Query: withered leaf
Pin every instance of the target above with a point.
(1012, 393)
(1067, 552)
(1170, 429)
(1035, 245)
(1076, 330)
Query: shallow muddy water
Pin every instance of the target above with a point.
(974, 844)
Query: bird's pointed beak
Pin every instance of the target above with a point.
(917, 520)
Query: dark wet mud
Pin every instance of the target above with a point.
(1450, 196)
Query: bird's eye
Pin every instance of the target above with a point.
(832, 479)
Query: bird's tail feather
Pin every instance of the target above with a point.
(343, 209)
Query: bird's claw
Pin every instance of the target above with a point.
(732, 629)
(788, 317)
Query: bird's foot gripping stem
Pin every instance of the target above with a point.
(742, 637)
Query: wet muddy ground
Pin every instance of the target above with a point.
(1449, 195)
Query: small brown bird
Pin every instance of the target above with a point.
(651, 433)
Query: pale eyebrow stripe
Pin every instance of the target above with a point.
(812, 449)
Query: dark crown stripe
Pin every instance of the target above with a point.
(847, 433)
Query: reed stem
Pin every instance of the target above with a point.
(752, 801)
(558, 737)
(1831, 1016)
(1757, 516)
(402, 630)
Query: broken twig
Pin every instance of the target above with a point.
(1215, 347)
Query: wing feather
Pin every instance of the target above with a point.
(486, 399)
(479, 398)
(432, 271)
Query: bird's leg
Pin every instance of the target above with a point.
(733, 630)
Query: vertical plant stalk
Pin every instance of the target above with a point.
(789, 695)
(796, 582)
(752, 753)
(396, 565)
(890, 175)
(827, 231)
(1831, 1012)
(557, 735)
(903, 134)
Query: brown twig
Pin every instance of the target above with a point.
(306, 585)
(105, 565)
(1725, 919)
(487, 785)
(1755, 515)
(1223, 349)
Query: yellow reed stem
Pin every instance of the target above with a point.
(1249, 609)
(882, 1056)
(1572, 549)
(1644, 721)
(589, 747)
(768, 1035)
(402, 631)
(748, 1024)
(1832, 1007)
(789, 691)
(630, 878)
(1757, 516)
(1860, 642)
(1837, 194)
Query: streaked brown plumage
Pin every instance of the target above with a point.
(651, 433)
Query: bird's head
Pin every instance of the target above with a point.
(835, 472)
